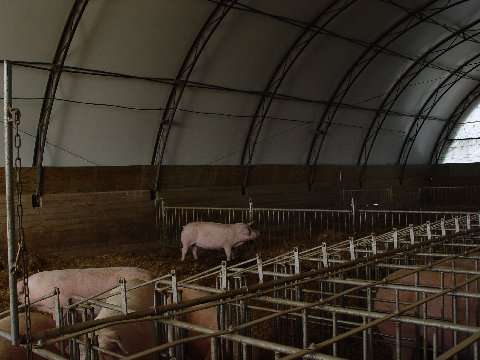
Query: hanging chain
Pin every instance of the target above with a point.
(22, 255)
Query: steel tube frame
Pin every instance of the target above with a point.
(263, 344)
(376, 315)
(178, 88)
(397, 30)
(370, 324)
(304, 307)
(61, 53)
(293, 280)
(294, 52)
(433, 100)
(9, 199)
(461, 346)
(463, 35)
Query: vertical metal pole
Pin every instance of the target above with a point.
(214, 348)
(8, 130)
(352, 204)
(398, 354)
(334, 333)
(369, 331)
(364, 340)
(304, 328)
(260, 269)
(123, 295)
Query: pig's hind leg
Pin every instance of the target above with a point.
(184, 251)
(228, 252)
(194, 252)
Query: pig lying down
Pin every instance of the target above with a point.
(215, 236)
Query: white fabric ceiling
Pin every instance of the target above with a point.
(150, 38)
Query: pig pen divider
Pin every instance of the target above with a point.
(282, 226)
(276, 225)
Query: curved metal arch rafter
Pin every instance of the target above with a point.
(425, 111)
(409, 22)
(178, 88)
(297, 48)
(63, 47)
(445, 45)
(443, 139)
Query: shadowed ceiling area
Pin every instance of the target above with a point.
(226, 82)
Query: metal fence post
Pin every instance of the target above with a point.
(250, 210)
(352, 204)
(8, 133)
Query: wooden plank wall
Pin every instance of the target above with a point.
(92, 208)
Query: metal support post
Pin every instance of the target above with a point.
(260, 269)
(352, 249)
(214, 349)
(324, 255)
(9, 191)
(395, 238)
(374, 245)
(250, 210)
(352, 205)
(123, 295)
(412, 234)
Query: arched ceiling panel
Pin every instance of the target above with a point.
(424, 143)
(319, 67)
(198, 138)
(301, 10)
(391, 139)
(376, 16)
(418, 90)
(284, 134)
(454, 96)
(25, 34)
(115, 135)
(344, 142)
(244, 59)
(368, 89)
(149, 38)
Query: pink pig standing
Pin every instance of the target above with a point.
(76, 282)
(214, 236)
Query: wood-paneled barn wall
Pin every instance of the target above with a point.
(92, 208)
